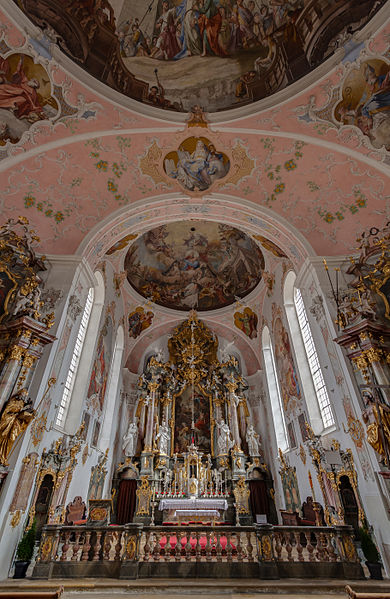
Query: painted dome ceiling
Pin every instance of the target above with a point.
(217, 54)
(194, 264)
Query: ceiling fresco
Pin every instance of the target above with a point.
(220, 54)
(194, 265)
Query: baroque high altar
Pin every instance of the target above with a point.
(191, 441)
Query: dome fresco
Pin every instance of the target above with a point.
(219, 54)
(194, 265)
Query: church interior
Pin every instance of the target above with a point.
(195, 295)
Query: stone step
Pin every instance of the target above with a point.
(198, 587)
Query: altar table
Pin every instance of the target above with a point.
(193, 504)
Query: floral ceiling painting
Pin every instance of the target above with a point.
(194, 265)
(219, 54)
(196, 164)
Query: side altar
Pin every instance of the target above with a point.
(191, 446)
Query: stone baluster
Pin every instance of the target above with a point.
(65, 546)
(188, 547)
(76, 546)
(169, 550)
(249, 547)
(278, 546)
(147, 547)
(239, 548)
(86, 546)
(107, 545)
(324, 546)
(157, 546)
(198, 547)
(97, 547)
(298, 546)
(333, 557)
(228, 547)
(218, 547)
(209, 556)
(178, 546)
(309, 547)
(118, 546)
(289, 547)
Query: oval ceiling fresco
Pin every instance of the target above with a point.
(197, 265)
(219, 54)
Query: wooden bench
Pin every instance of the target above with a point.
(353, 595)
(32, 594)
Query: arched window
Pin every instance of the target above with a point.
(111, 405)
(316, 395)
(74, 362)
(76, 383)
(274, 391)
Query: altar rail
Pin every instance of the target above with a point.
(138, 551)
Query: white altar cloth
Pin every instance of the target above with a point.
(189, 513)
(193, 504)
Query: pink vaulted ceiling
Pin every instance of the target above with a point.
(327, 195)
(66, 176)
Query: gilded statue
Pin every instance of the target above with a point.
(377, 418)
(15, 417)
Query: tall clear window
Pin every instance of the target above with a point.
(314, 365)
(70, 379)
(274, 392)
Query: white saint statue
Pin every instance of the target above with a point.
(163, 438)
(252, 438)
(224, 440)
(130, 440)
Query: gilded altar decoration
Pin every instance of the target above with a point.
(241, 494)
(122, 243)
(265, 546)
(19, 265)
(376, 416)
(363, 315)
(15, 518)
(196, 164)
(247, 321)
(131, 547)
(302, 454)
(139, 321)
(46, 548)
(14, 419)
(144, 493)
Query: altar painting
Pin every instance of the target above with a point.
(291, 490)
(183, 414)
(289, 385)
(98, 381)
